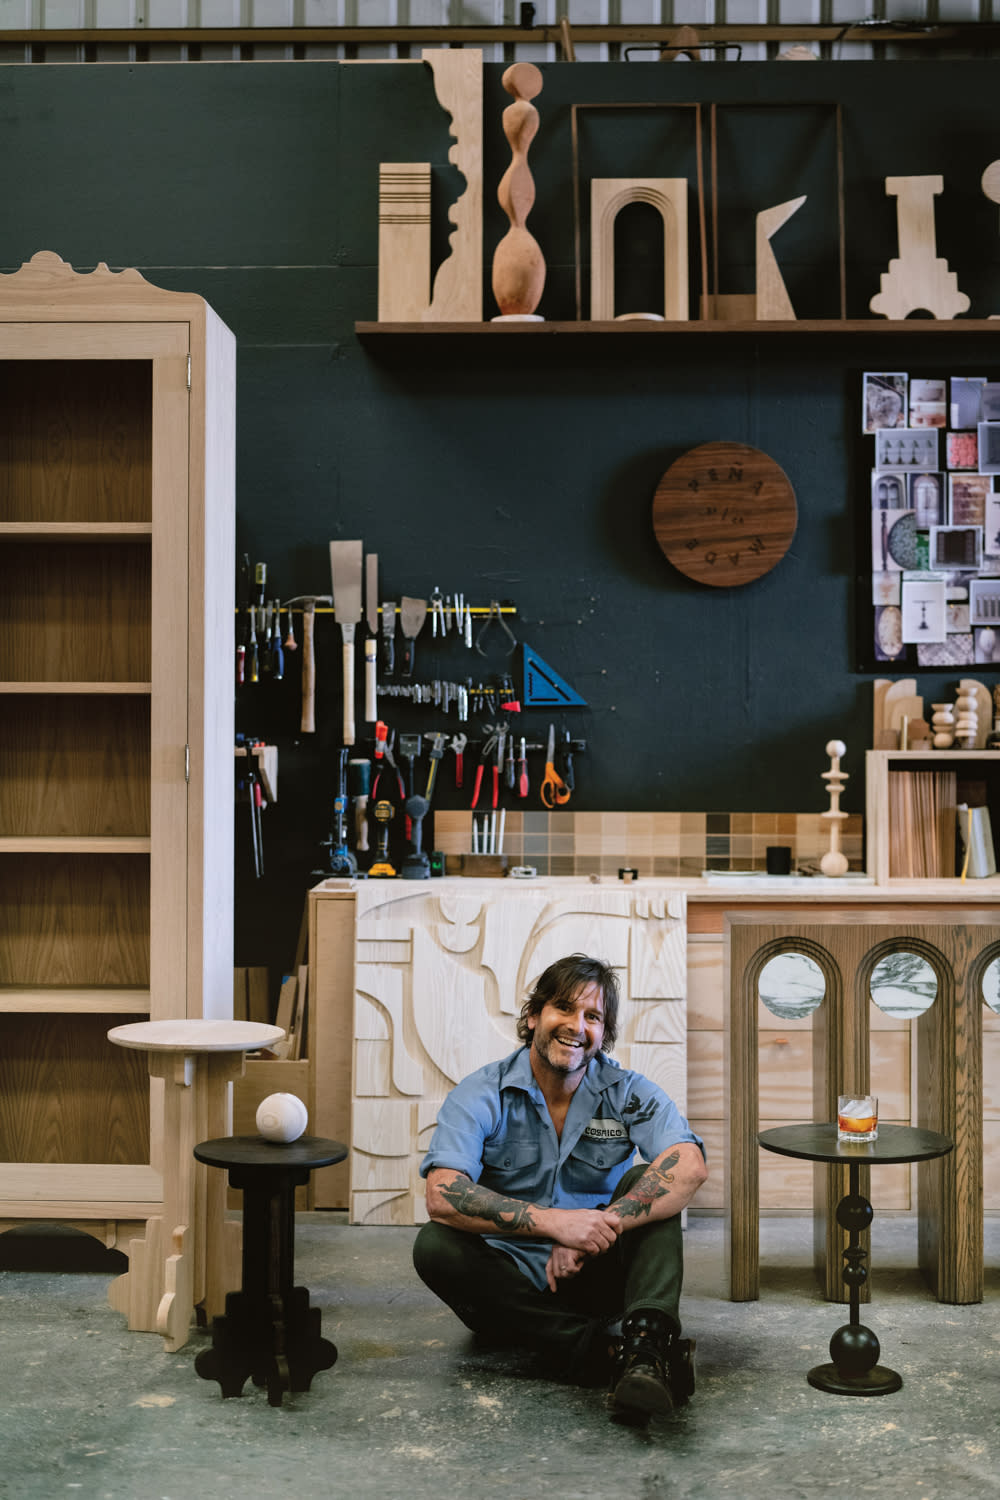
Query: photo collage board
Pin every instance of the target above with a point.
(934, 542)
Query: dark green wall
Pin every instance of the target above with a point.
(526, 474)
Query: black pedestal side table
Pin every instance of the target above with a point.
(854, 1349)
(268, 1331)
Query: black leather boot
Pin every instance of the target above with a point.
(644, 1383)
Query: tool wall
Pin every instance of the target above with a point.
(512, 472)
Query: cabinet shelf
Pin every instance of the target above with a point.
(75, 531)
(23, 999)
(880, 766)
(87, 845)
(138, 689)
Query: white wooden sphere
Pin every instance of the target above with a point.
(836, 747)
(282, 1117)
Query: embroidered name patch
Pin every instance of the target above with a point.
(606, 1130)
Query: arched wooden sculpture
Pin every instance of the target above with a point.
(518, 264)
(608, 196)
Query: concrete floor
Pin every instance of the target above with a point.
(414, 1409)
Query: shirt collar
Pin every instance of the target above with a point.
(515, 1072)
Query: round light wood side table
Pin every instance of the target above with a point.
(190, 1251)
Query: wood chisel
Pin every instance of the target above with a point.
(371, 640)
(346, 568)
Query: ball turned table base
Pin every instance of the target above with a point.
(854, 1349)
(855, 1370)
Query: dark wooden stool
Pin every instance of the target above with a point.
(268, 1331)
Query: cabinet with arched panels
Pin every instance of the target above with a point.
(960, 950)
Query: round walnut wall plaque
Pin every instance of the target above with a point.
(724, 514)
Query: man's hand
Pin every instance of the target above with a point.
(590, 1230)
(561, 1264)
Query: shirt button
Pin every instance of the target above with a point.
(600, 1161)
(506, 1161)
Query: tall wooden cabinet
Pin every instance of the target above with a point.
(116, 651)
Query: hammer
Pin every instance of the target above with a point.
(309, 603)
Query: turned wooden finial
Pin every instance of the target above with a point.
(518, 264)
(833, 861)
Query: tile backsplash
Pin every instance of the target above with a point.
(663, 844)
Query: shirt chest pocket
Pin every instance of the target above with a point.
(591, 1161)
(508, 1163)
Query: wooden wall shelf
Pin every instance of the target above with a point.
(385, 334)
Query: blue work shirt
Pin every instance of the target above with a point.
(495, 1126)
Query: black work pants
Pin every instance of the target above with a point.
(493, 1296)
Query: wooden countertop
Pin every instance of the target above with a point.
(754, 891)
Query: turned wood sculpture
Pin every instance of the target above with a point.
(834, 862)
(518, 265)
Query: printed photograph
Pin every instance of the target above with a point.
(965, 392)
(991, 525)
(888, 491)
(987, 647)
(989, 447)
(967, 499)
(894, 541)
(962, 450)
(885, 588)
(923, 607)
(907, 448)
(984, 602)
(889, 633)
(884, 402)
(956, 547)
(989, 402)
(957, 617)
(925, 497)
(956, 651)
(927, 390)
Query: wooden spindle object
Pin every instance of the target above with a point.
(518, 264)
(833, 861)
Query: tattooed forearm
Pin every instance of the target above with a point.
(475, 1202)
(655, 1182)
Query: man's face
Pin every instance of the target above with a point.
(568, 1030)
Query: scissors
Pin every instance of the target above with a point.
(554, 789)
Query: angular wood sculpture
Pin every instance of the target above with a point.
(608, 196)
(773, 301)
(404, 240)
(518, 264)
(458, 286)
(917, 279)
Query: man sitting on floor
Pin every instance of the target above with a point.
(540, 1233)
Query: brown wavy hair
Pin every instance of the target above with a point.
(565, 978)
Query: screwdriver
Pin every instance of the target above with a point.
(522, 780)
(277, 654)
(252, 653)
(243, 603)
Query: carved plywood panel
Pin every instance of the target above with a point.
(441, 974)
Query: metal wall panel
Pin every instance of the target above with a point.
(143, 15)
